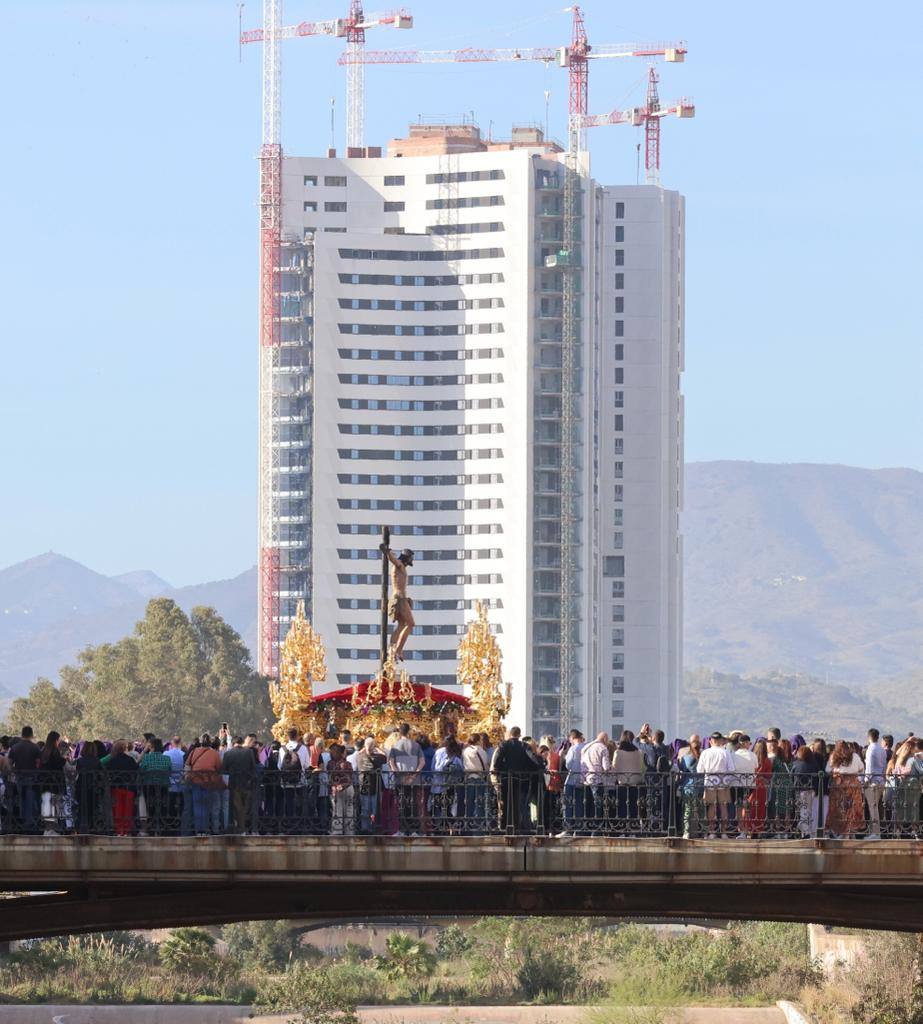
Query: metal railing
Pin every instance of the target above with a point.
(337, 801)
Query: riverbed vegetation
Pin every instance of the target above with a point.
(273, 965)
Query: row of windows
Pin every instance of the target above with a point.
(419, 381)
(439, 629)
(422, 605)
(465, 229)
(417, 455)
(452, 177)
(396, 480)
(464, 202)
(420, 405)
(435, 355)
(422, 305)
(375, 654)
(448, 555)
(435, 530)
(419, 504)
(421, 331)
(423, 255)
(330, 180)
(463, 580)
(417, 280)
(420, 429)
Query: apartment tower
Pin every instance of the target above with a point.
(419, 382)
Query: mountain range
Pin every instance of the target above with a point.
(789, 569)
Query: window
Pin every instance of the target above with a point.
(619, 281)
(619, 258)
(619, 351)
(618, 684)
(618, 588)
(619, 375)
(394, 179)
(618, 661)
(336, 180)
(619, 210)
(334, 207)
(619, 445)
(619, 468)
(619, 324)
(341, 231)
(617, 516)
(619, 422)
(618, 613)
(393, 231)
(617, 729)
(618, 540)
(394, 206)
(618, 637)
(618, 493)
(309, 180)
(619, 399)
(454, 176)
(620, 234)
(620, 304)
(614, 565)
(618, 711)
(310, 207)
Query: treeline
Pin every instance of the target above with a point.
(176, 674)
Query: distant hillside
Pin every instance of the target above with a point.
(791, 572)
(52, 606)
(804, 568)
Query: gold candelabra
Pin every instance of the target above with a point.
(302, 664)
(479, 668)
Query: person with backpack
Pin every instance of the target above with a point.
(294, 761)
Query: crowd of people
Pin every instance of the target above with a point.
(410, 785)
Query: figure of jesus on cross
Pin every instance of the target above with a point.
(400, 607)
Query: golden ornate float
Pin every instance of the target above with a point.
(375, 707)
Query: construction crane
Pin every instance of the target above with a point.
(270, 206)
(351, 28)
(649, 116)
(575, 57)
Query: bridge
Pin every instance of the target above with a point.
(71, 884)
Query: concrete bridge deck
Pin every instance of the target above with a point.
(92, 883)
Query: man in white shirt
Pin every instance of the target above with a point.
(745, 765)
(406, 761)
(717, 765)
(597, 764)
(574, 791)
(876, 761)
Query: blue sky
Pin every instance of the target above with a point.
(128, 384)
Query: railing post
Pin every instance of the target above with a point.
(671, 824)
(819, 834)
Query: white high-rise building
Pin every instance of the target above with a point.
(420, 359)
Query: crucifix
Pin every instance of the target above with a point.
(398, 607)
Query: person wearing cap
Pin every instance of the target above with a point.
(400, 607)
(716, 763)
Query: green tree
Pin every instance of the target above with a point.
(452, 942)
(174, 674)
(408, 959)
(265, 945)
(189, 951)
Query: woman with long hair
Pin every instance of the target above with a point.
(906, 789)
(691, 788)
(846, 812)
(781, 809)
(754, 816)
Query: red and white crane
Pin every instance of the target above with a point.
(649, 116)
(351, 28)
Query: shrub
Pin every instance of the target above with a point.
(452, 942)
(189, 951)
(313, 994)
(261, 945)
